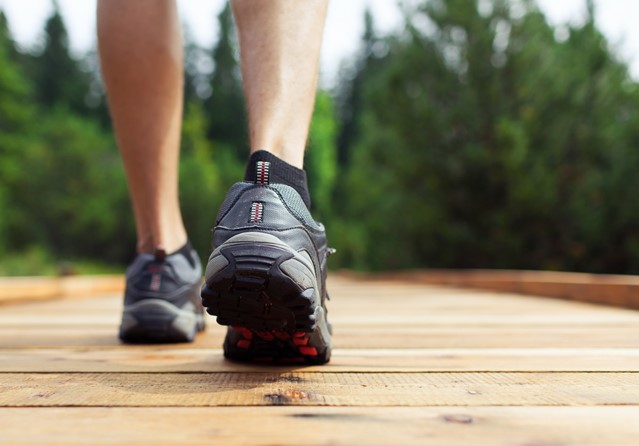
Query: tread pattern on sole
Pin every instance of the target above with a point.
(274, 312)
(253, 291)
(276, 347)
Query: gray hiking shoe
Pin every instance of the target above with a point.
(266, 276)
(161, 301)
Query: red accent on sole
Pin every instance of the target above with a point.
(265, 335)
(300, 341)
(282, 335)
(248, 334)
(308, 351)
(243, 343)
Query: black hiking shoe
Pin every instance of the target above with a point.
(161, 301)
(266, 277)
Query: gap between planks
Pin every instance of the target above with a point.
(170, 360)
(364, 336)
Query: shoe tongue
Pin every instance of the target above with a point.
(159, 254)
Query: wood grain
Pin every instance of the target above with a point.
(310, 426)
(20, 289)
(168, 359)
(617, 290)
(364, 336)
(319, 389)
(413, 364)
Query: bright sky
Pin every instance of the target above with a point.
(617, 18)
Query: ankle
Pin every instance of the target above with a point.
(279, 172)
(169, 242)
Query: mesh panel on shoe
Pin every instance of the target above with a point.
(290, 198)
(295, 204)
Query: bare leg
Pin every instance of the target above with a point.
(280, 43)
(141, 55)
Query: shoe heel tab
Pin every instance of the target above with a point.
(159, 254)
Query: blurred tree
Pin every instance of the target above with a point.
(478, 136)
(6, 39)
(488, 140)
(201, 190)
(349, 89)
(198, 67)
(57, 77)
(73, 200)
(320, 159)
(225, 106)
(16, 115)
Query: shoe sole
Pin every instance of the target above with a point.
(269, 294)
(159, 321)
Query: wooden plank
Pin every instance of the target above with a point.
(18, 289)
(422, 299)
(538, 426)
(318, 389)
(86, 337)
(151, 359)
(617, 290)
(112, 319)
(364, 336)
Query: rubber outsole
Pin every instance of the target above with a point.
(276, 347)
(159, 321)
(268, 294)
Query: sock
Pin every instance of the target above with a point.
(280, 172)
(184, 250)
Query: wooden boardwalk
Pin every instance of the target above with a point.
(413, 364)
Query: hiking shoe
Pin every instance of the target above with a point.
(161, 301)
(266, 276)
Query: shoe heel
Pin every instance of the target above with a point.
(155, 320)
(256, 281)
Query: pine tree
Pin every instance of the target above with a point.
(225, 107)
(320, 158)
(16, 116)
(197, 76)
(487, 142)
(349, 94)
(57, 76)
(6, 39)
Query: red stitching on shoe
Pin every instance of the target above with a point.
(156, 281)
(262, 175)
(257, 212)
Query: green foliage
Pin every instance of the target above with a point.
(15, 116)
(207, 169)
(71, 196)
(487, 142)
(38, 261)
(58, 79)
(478, 136)
(349, 90)
(31, 261)
(320, 161)
(225, 107)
